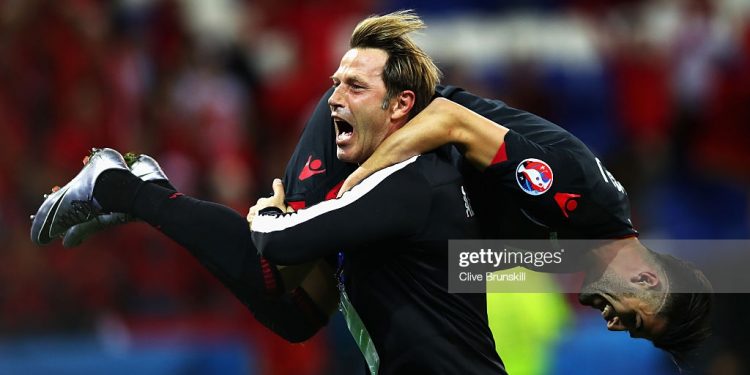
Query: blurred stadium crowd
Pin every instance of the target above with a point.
(218, 92)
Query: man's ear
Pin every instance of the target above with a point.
(646, 280)
(402, 104)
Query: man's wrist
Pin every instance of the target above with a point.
(271, 211)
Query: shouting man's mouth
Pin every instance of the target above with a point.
(610, 315)
(344, 131)
(602, 304)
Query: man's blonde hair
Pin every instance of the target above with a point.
(408, 67)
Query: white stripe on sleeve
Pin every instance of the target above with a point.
(268, 224)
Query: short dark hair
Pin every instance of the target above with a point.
(687, 308)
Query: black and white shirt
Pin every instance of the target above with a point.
(394, 229)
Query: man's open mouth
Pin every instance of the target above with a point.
(608, 311)
(610, 315)
(600, 303)
(344, 130)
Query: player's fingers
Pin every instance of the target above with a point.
(356, 177)
(251, 215)
(260, 204)
(278, 189)
(260, 201)
(345, 187)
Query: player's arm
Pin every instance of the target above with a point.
(390, 204)
(440, 123)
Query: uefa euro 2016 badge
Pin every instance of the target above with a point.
(534, 176)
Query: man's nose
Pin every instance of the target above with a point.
(335, 100)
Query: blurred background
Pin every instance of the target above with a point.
(218, 92)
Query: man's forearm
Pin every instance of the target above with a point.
(479, 137)
(440, 123)
(430, 129)
(443, 122)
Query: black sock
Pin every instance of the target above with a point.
(116, 189)
(163, 183)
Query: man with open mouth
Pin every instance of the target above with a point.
(529, 177)
(389, 254)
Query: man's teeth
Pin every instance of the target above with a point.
(606, 310)
(343, 127)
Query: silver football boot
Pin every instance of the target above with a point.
(73, 203)
(143, 167)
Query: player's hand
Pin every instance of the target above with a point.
(276, 200)
(356, 177)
